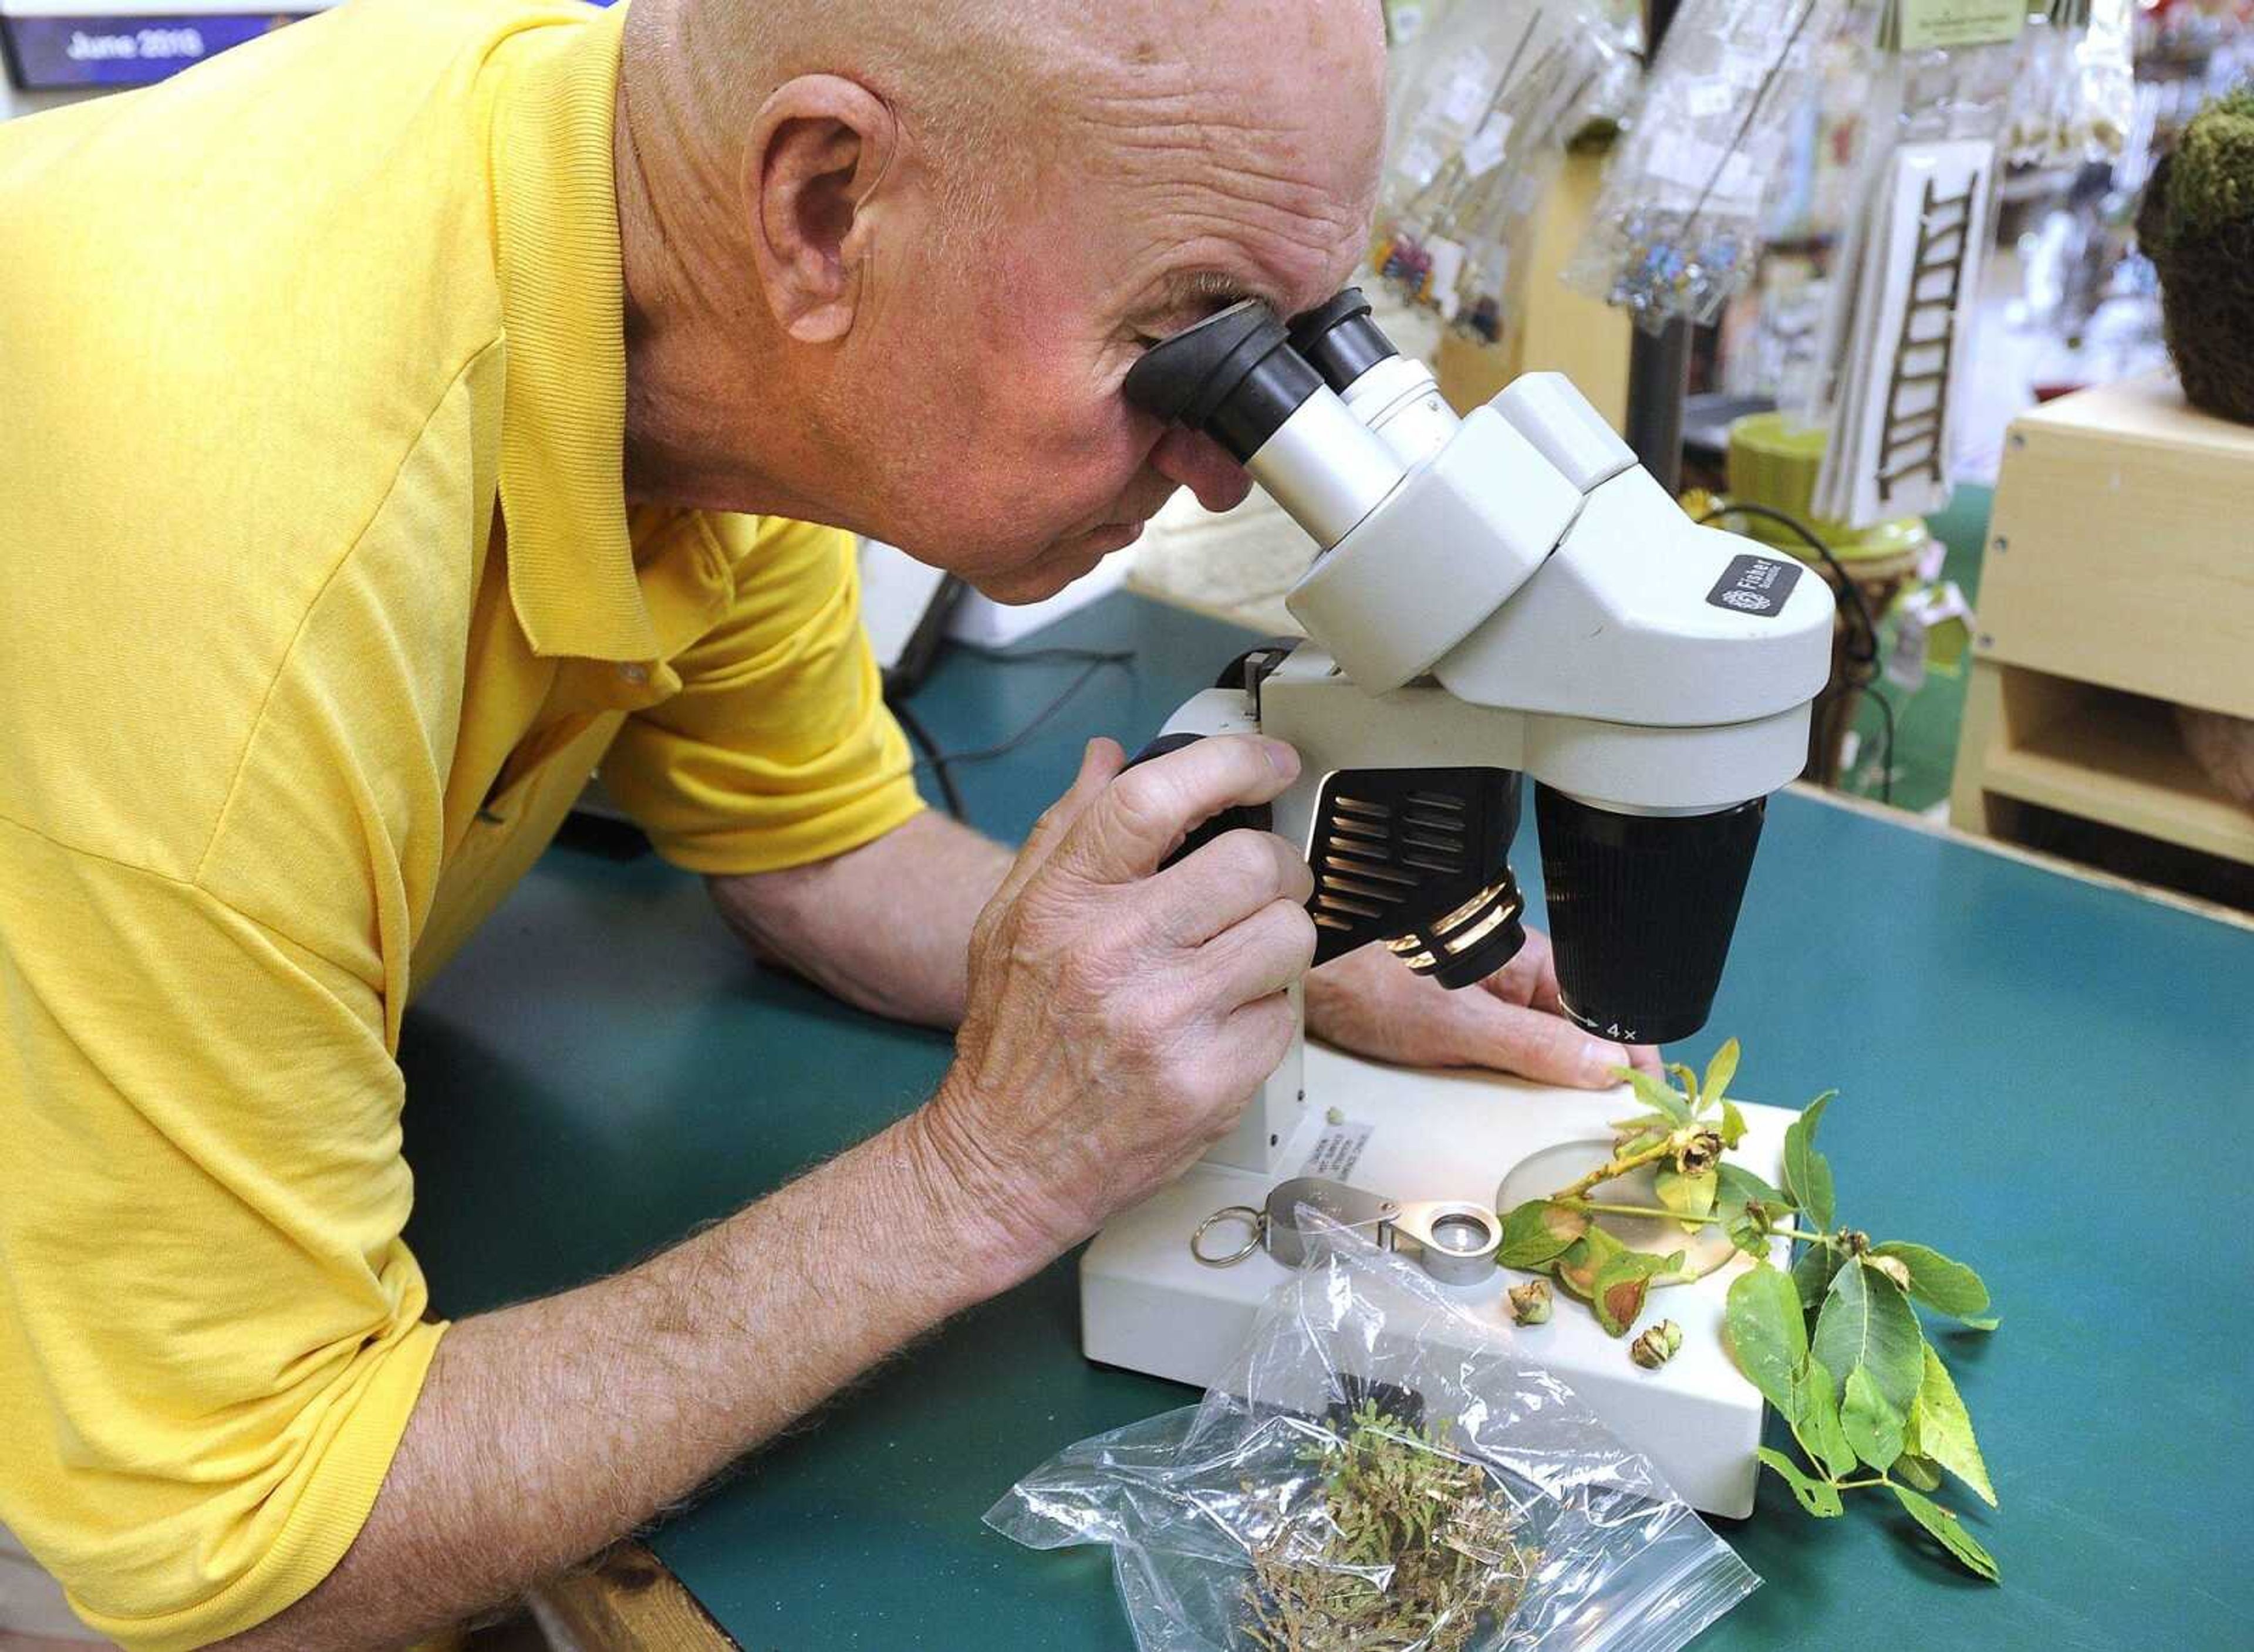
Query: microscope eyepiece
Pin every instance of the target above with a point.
(1340, 340)
(1236, 377)
(1233, 375)
(1641, 910)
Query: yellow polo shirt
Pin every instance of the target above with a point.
(319, 603)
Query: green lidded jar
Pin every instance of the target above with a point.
(1774, 462)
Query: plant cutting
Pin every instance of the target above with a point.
(1835, 1344)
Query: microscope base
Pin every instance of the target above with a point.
(1148, 1306)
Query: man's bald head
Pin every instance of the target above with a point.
(956, 73)
(1111, 173)
(987, 88)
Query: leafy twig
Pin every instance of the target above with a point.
(1836, 1345)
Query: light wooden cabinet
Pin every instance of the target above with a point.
(2119, 579)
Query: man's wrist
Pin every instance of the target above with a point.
(980, 1209)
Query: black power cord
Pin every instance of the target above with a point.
(942, 764)
(1862, 672)
(951, 794)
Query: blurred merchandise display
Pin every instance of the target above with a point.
(2073, 98)
(1679, 229)
(1490, 96)
(1904, 300)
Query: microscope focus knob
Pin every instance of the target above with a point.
(1256, 817)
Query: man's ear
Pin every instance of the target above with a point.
(819, 147)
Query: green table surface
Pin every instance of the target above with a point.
(2032, 1066)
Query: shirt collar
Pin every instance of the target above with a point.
(563, 447)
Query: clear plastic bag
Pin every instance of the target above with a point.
(1484, 106)
(1677, 230)
(2074, 96)
(1371, 1473)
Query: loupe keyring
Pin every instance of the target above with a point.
(1255, 1220)
(1455, 1239)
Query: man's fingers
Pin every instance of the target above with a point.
(1546, 1048)
(1259, 1035)
(1644, 1058)
(1146, 812)
(1224, 883)
(1259, 957)
(1099, 763)
(1530, 978)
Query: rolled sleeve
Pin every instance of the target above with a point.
(211, 1334)
(777, 749)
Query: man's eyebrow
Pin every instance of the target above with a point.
(1209, 289)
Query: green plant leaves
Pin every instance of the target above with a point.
(1578, 1267)
(1817, 1496)
(1817, 1425)
(1743, 1229)
(1690, 1197)
(1740, 1186)
(1833, 1342)
(1738, 1195)
(1946, 1286)
(1643, 1124)
(1538, 1232)
(1622, 1282)
(1873, 1428)
(1813, 1272)
(1946, 1527)
(1944, 1430)
(1656, 1095)
(1807, 1173)
(1866, 1325)
(1720, 1072)
(1768, 1338)
(1918, 1471)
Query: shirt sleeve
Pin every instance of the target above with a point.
(777, 749)
(211, 1334)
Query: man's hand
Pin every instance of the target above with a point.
(1371, 1003)
(1120, 1016)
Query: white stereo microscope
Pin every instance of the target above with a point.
(1497, 598)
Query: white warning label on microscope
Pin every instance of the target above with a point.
(1336, 1151)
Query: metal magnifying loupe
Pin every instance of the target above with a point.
(1454, 1240)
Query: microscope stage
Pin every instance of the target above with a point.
(1146, 1303)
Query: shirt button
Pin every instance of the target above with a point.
(636, 675)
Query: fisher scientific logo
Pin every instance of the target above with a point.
(1755, 585)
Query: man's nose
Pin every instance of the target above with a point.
(1199, 463)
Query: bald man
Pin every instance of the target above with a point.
(423, 406)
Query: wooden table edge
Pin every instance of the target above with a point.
(625, 1599)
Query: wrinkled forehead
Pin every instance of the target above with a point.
(1241, 154)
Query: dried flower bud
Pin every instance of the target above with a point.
(1699, 1153)
(1856, 1241)
(1894, 1267)
(1529, 1303)
(1656, 1346)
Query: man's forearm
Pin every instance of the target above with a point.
(885, 927)
(548, 1430)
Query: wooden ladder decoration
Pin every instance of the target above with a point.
(1917, 435)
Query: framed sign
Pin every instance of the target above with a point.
(54, 44)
